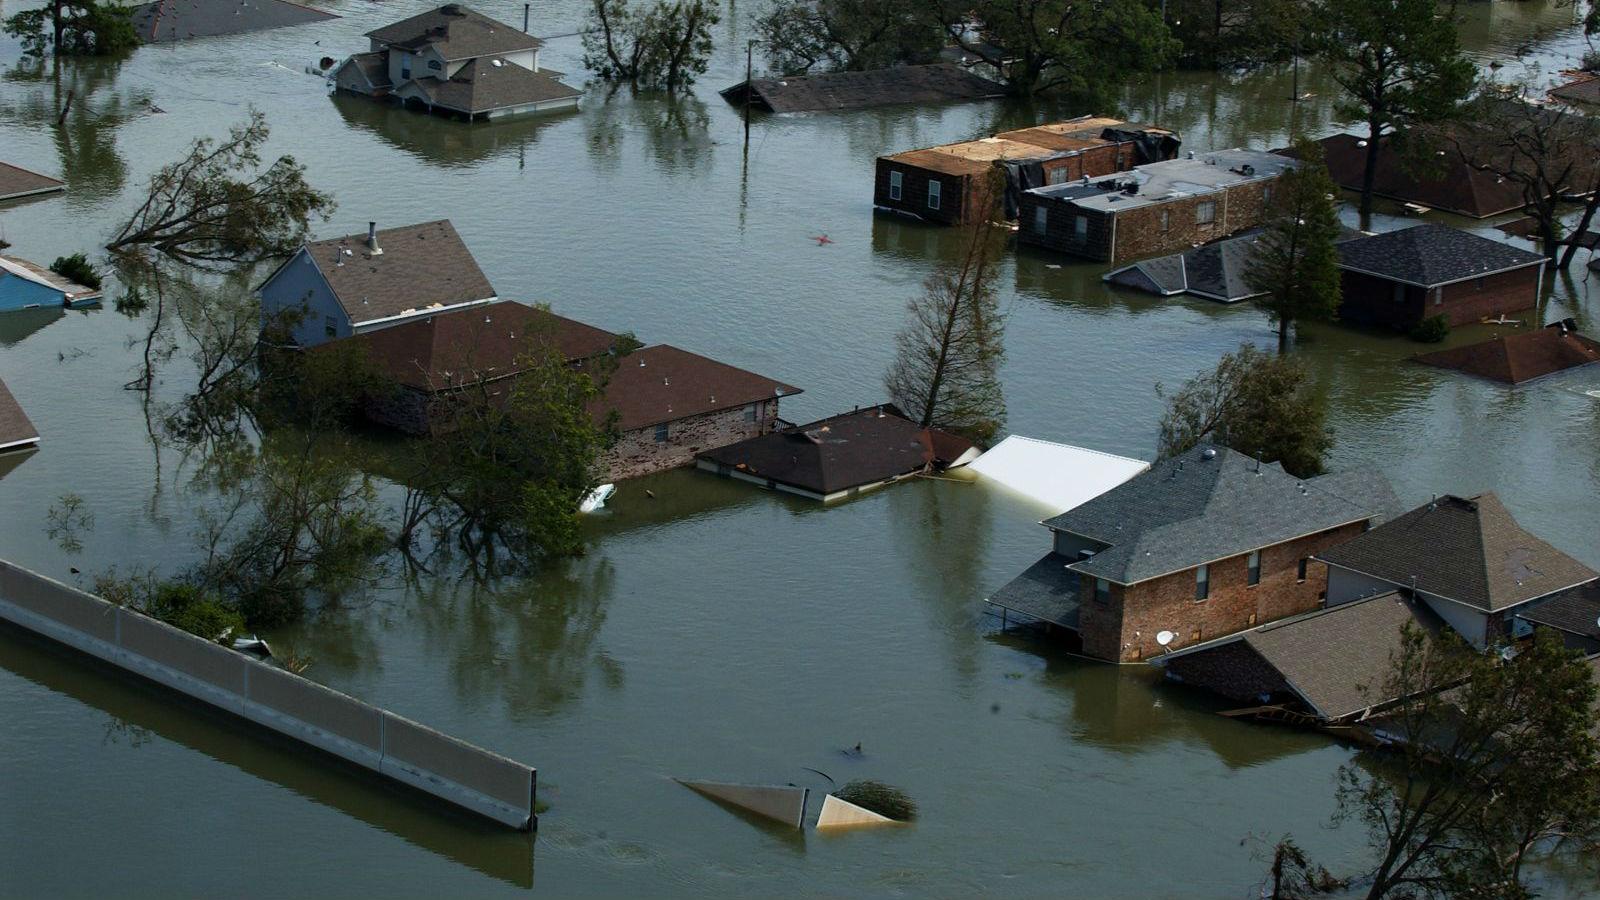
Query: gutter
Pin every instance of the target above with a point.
(1539, 262)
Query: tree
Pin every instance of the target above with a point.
(666, 46)
(945, 372)
(1236, 34)
(218, 205)
(1078, 48)
(74, 28)
(175, 602)
(1255, 403)
(1399, 65)
(800, 35)
(77, 269)
(1295, 262)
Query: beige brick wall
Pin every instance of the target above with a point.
(1145, 231)
(638, 452)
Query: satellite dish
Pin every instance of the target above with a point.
(1164, 638)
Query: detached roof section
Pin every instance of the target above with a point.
(455, 32)
(1470, 550)
(16, 432)
(663, 384)
(937, 83)
(1516, 358)
(1060, 476)
(420, 266)
(1431, 255)
(1208, 504)
(71, 291)
(17, 182)
(177, 20)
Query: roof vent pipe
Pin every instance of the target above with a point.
(372, 239)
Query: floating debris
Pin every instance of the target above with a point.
(780, 803)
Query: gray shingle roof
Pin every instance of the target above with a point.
(941, 82)
(15, 429)
(1429, 255)
(1194, 509)
(481, 86)
(420, 266)
(456, 32)
(1045, 591)
(177, 20)
(1471, 551)
(1576, 610)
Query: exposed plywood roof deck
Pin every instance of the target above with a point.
(969, 157)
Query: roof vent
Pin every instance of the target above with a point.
(497, 63)
(666, 381)
(1208, 453)
(1191, 154)
(372, 240)
(641, 363)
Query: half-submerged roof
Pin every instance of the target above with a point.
(1431, 255)
(1215, 271)
(1037, 142)
(490, 83)
(1211, 503)
(858, 448)
(1515, 358)
(455, 31)
(420, 267)
(16, 182)
(1583, 89)
(1470, 550)
(660, 384)
(16, 431)
(1455, 187)
(177, 20)
(1575, 610)
(479, 343)
(71, 291)
(936, 83)
(1060, 476)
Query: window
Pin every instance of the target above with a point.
(1041, 220)
(1205, 212)
(750, 413)
(1057, 175)
(1300, 573)
(897, 182)
(330, 327)
(933, 193)
(1102, 591)
(661, 432)
(1166, 220)
(1202, 582)
(1438, 295)
(1480, 284)
(1254, 565)
(405, 67)
(1080, 227)
(435, 65)
(1399, 293)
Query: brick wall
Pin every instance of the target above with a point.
(1170, 227)
(1370, 300)
(1233, 670)
(914, 191)
(638, 452)
(1060, 231)
(1124, 630)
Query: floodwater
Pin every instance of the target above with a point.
(714, 630)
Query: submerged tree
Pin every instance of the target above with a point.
(218, 205)
(1237, 34)
(75, 28)
(1254, 403)
(1295, 262)
(801, 35)
(946, 368)
(1400, 66)
(665, 46)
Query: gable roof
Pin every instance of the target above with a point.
(1470, 550)
(447, 349)
(1515, 358)
(1211, 503)
(1215, 271)
(373, 66)
(489, 83)
(663, 384)
(856, 448)
(15, 429)
(421, 266)
(71, 291)
(1575, 610)
(455, 31)
(175, 20)
(936, 83)
(1431, 255)
(16, 181)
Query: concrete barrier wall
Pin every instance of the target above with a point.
(475, 779)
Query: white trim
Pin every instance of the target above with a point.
(411, 314)
(1207, 562)
(22, 443)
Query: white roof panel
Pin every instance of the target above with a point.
(1058, 476)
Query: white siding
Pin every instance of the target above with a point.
(1468, 622)
(1345, 585)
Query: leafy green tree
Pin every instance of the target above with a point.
(77, 268)
(1237, 34)
(175, 602)
(74, 28)
(1295, 261)
(1399, 64)
(1255, 403)
(665, 46)
(802, 35)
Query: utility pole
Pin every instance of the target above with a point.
(749, 57)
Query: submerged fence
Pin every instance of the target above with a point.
(393, 746)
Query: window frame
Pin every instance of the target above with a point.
(1202, 583)
(897, 184)
(1209, 208)
(1041, 219)
(1102, 591)
(935, 194)
(1300, 572)
(1252, 568)
(663, 432)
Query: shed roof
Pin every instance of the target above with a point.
(1575, 610)
(421, 266)
(1060, 476)
(176, 20)
(15, 429)
(490, 83)
(1470, 550)
(1515, 358)
(16, 181)
(853, 449)
(1170, 179)
(1211, 503)
(71, 290)
(936, 83)
(1431, 255)
(1045, 590)
(455, 31)
(663, 384)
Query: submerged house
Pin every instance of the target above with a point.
(1398, 278)
(1521, 357)
(348, 285)
(671, 405)
(1582, 90)
(24, 285)
(17, 183)
(1451, 185)
(1201, 545)
(1162, 207)
(840, 456)
(165, 21)
(16, 432)
(1213, 271)
(458, 61)
(943, 184)
(922, 85)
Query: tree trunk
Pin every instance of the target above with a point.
(1370, 173)
(57, 22)
(1589, 209)
(1284, 324)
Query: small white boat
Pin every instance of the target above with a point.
(596, 498)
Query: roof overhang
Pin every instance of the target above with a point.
(1431, 286)
(1205, 562)
(413, 313)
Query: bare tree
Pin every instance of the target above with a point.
(665, 46)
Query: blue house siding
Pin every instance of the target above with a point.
(298, 287)
(20, 293)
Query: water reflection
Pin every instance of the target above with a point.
(11, 459)
(86, 140)
(942, 529)
(676, 129)
(448, 144)
(17, 325)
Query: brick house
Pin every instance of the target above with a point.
(943, 184)
(1163, 207)
(1201, 545)
(672, 404)
(1399, 278)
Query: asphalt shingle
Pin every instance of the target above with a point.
(1431, 255)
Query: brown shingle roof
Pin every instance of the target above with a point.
(1576, 610)
(1459, 188)
(457, 32)
(19, 182)
(176, 20)
(484, 342)
(662, 384)
(1584, 89)
(1471, 551)
(482, 86)
(421, 266)
(936, 83)
(15, 429)
(1515, 358)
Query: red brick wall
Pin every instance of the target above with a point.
(1125, 629)
(1370, 300)
(914, 191)
(639, 453)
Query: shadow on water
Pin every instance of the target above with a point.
(11, 459)
(442, 142)
(139, 709)
(18, 325)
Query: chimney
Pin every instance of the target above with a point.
(526, 9)
(372, 240)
